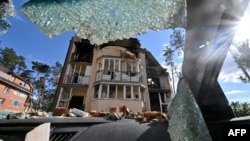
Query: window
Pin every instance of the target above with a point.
(123, 65)
(19, 93)
(100, 66)
(111, 64)
(153, 83)
(1, 100)
(15, 103)
(136, 92)
(106, 66)
(104, 91)
(129, 65)
(117, 91)
(132, 66)
(117, 64)
(120, 92)
(96, 91)
(6, 90)
(112, 91)
(128, 92)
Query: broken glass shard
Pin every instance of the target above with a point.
(101, 21)
(186, 121)
(4, 26)
(6, 9)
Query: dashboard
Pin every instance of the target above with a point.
(88, 129)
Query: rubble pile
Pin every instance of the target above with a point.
(116, 113)
(26, 115)
(124, 112)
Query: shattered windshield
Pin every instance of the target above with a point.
(108, 74)
(103, 21)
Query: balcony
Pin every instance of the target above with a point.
(119, 76)
(75, 79)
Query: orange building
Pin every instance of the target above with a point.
(15, 92)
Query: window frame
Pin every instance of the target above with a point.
(15, 103)
(6, 90)
(2, 101)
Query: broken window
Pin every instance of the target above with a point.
(103, 21)
(136, 92)
(112, 91)
(96, 91)
(117, 65)
(128, 92)
(117, 91)
(106, 66)
(110, 65)
(104, 92)
(153, 83)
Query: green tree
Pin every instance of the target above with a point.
(240, 109)
(51, 85)
(42, 76)
(41, 71)
(27, 75)
(177, 43)
(9, 59)
(242, 59)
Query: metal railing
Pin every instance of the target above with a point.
(76, 79)
(119, 76)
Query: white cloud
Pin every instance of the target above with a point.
(235, 92)
(181, 55)
(241, 100)
(230, 77)
(230, 72)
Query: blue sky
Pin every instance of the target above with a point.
(27, 40)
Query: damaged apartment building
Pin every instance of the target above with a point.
(117, 73)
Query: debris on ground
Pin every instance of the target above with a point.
(77, 113)
(116, 113)
(124, 112)
(61, 111)
(24, 115)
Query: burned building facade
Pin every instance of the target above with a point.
(96, 78)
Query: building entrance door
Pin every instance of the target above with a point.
(154, 101)
(76, 102)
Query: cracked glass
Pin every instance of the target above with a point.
(101, 21)
(6, 9)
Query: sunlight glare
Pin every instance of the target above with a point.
(243, 29)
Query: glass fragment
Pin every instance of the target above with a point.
(186, 121)
(6, 9)
(4, 26)
(101, 21)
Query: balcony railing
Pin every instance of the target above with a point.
(119, 76)
(75, 79)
